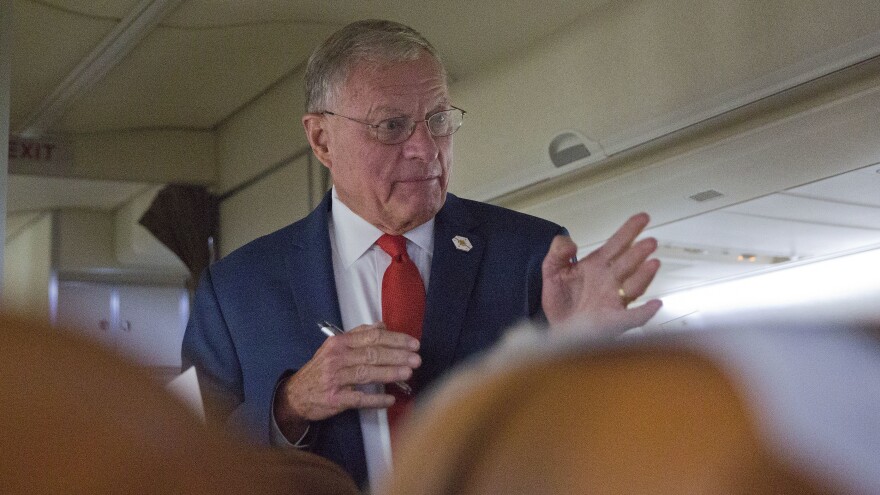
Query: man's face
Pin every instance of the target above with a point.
(394, 187)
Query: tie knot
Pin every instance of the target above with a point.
(394, 245)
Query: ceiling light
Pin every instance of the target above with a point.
(824, 284)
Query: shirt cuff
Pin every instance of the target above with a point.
(278, 438)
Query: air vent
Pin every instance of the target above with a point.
(706, 195)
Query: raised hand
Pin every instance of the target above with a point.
(592, 295)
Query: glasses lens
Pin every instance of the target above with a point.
(394, 130)
(446, 122)
(398, 129)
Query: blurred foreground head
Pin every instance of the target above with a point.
(77, 420)
(756, 409)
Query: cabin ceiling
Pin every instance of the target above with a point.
(195, 63)
(829, 218)
(205, 59)
(192, 64)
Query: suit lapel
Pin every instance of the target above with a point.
(453, 274)
(310, 273)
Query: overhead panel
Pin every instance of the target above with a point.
(48, 44)
(193, 77)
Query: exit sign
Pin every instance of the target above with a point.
(42, 155)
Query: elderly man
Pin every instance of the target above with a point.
(416, 279)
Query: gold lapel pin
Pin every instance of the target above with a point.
(462, 243)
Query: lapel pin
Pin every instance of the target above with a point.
(462, 243)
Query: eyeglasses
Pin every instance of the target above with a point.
(398, 129)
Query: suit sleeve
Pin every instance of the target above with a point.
(208, 345)
(537, 280)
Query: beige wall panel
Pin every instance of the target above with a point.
(262, 134)
(85, 240)
(5, 68)
(86, 250)
(27, 267)
(266, 206)
(159, 156)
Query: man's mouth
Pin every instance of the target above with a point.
(419, 179)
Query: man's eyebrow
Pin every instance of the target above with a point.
(443, 104)
(387, 110)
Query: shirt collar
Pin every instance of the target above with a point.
(354, 235)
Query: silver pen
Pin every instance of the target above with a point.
(330, 330)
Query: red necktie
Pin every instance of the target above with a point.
(403, 307)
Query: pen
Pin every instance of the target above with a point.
(330, 330)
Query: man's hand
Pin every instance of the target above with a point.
(592, 294)
(325, 385)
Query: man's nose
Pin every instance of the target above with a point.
(422, 145)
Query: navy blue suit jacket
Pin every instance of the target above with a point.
(255, 314)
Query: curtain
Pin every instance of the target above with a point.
(185, 218)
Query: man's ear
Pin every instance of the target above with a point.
(317, 136)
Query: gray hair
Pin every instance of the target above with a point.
(375, 41)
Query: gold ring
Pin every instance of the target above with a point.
(623, 297)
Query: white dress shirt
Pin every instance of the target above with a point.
(358, 267)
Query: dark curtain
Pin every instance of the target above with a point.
(186, 218)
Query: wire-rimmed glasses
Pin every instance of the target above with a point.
(398, 129)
